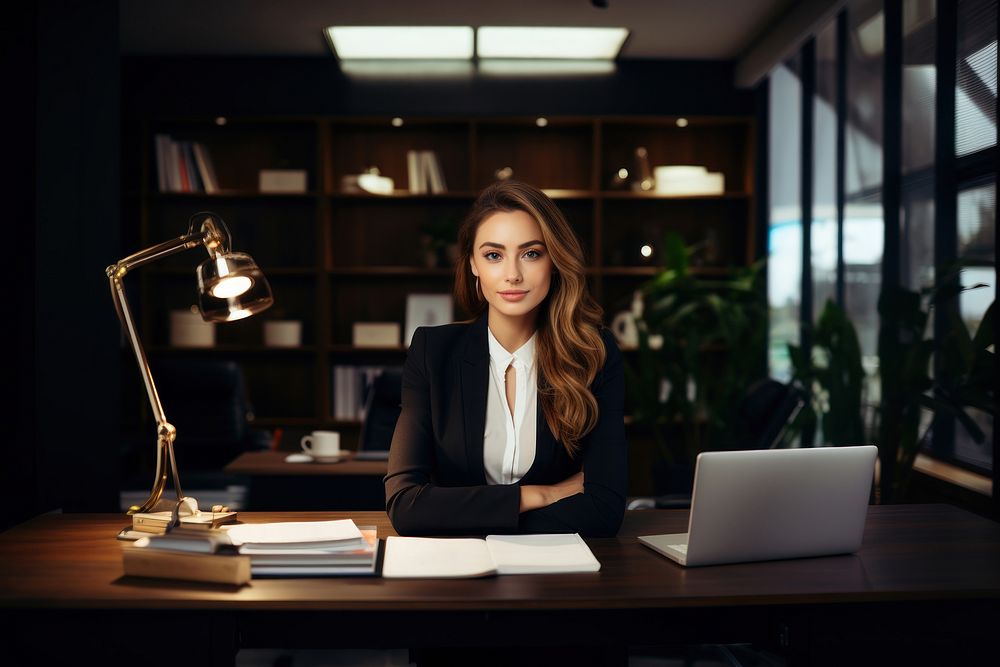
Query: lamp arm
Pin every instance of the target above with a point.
(157, 252)
(165, 432)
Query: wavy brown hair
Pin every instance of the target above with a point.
(569, 348)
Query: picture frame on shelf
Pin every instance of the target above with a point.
(427, 310)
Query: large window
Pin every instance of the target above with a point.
(863, 232)
(938, 222)
(917, 148)
(824, 188)
(784, 239)
(975, 147)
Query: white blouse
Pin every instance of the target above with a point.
(509, 440)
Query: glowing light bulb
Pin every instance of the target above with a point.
(646, 251)
(232, 286)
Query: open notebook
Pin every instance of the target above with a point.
(448, 558)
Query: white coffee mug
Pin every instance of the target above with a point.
(321, 443)
(283, 333)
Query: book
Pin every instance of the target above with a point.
(174, 167)
(157, 522)
(450, 558)
(414, 172)
(187, 152)
(140, 560)
(162, 144)
(431, 172)
(290, 535)
(350, 388)
(205, 168)
(185, 539)
(182, 169)
(319, 562)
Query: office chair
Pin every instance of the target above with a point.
(764, 413)
(382, 408)
(207, 401)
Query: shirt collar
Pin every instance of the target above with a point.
(502, 358)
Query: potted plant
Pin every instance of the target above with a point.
(835, 380)
(966, 377)
(684, 389)
(438, 240)
(907, 385)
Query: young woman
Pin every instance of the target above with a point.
(513, 421)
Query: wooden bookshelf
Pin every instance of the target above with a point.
(334, 258)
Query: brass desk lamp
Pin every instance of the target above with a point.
(230, 287)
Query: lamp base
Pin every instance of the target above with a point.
(186, 506)
(167, 515)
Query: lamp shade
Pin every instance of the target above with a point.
(230, 287)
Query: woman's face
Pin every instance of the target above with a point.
(512, 263)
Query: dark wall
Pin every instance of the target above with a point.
(301, 86)
(67, 139)
(18, 464)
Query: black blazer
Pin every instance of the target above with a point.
(436, 483)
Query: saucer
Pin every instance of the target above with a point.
(336, 458)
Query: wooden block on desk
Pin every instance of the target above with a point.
(217, 568)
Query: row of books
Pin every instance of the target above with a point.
(184, 166)
(351, 385)
(424, 172)
(239, 552)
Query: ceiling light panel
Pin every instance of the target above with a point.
(401, 42)
(569, 43)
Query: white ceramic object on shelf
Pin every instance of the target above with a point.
(188, 329)
(283, 333)
(680, 180)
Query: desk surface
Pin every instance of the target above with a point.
(272, 463)
(917, 552)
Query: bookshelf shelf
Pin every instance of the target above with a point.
(399, 271)
(221, 350)
(234, 194)
(615, 194)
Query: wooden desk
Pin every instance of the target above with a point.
(275, 485)
(925, 584)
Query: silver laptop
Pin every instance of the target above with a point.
(773, 503)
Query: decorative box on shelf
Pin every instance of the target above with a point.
(283, 180)
(375, 334)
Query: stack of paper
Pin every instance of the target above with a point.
(310, 548)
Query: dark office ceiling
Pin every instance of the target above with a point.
(660, 29)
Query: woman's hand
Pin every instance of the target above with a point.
(534, 497)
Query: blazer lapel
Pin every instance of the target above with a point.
(475, 376)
